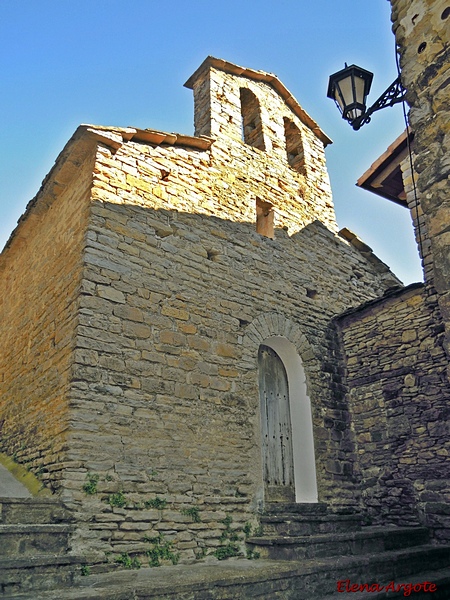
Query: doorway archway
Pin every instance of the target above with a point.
(288, 459)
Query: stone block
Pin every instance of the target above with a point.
(172, 338)
(110, 293)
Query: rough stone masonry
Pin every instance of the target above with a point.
(138, 288)
(421, 29)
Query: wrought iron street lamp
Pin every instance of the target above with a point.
(350, 87)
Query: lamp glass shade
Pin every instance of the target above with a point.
(349, 89)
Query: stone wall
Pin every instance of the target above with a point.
(178, 292)
(421, 30)
(40, 269)
(418, 219)
(399, 395)
(158, 391)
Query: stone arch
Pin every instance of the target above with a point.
(288, 341)
(252, 129)
(276, 324)
(295, 151)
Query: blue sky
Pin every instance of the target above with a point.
(123, 63)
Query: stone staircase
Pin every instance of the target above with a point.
(34, 545)
(360, 554)
(304, 551)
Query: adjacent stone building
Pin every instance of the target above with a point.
(397, 349)
(421, 29)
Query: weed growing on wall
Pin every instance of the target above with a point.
(117, 500)
(158, 503)
(230, 537)
(229, 534)
(127, 562)
(247, 530)
(193, 512)
(227, 551)
(161, 550)
(90, 487)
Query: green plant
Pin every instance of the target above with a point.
(201, 553)
(158, 503)
(228, 533)
(118, 500)
(127, 562)
(162, 550)
(230, 536)
(90, 487)
(224, 552)
(258, 531)
(193, 512)
(227, 521)
(247, 529)
(253, 554)
(85, 570)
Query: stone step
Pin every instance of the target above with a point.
(406, 562)
(25, 539)
(368, 540)
(32, 510)
(308, 524)
(314, 579)
(306, 508)
(35, 573)
(34, 541)
(283, 519)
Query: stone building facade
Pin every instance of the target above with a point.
(161, 289)
(145, 289)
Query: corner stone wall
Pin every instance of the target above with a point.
(40, 270)
(421, 30)
(422, 237)
(164, 399)
(399, 397)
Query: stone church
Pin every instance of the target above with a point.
(197, 365)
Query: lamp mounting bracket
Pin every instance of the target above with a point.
(394, 94)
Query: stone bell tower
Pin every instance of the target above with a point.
(255, 116)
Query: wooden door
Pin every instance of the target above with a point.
(278, 463)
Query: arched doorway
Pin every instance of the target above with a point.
(289, 470)
(278, 462)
